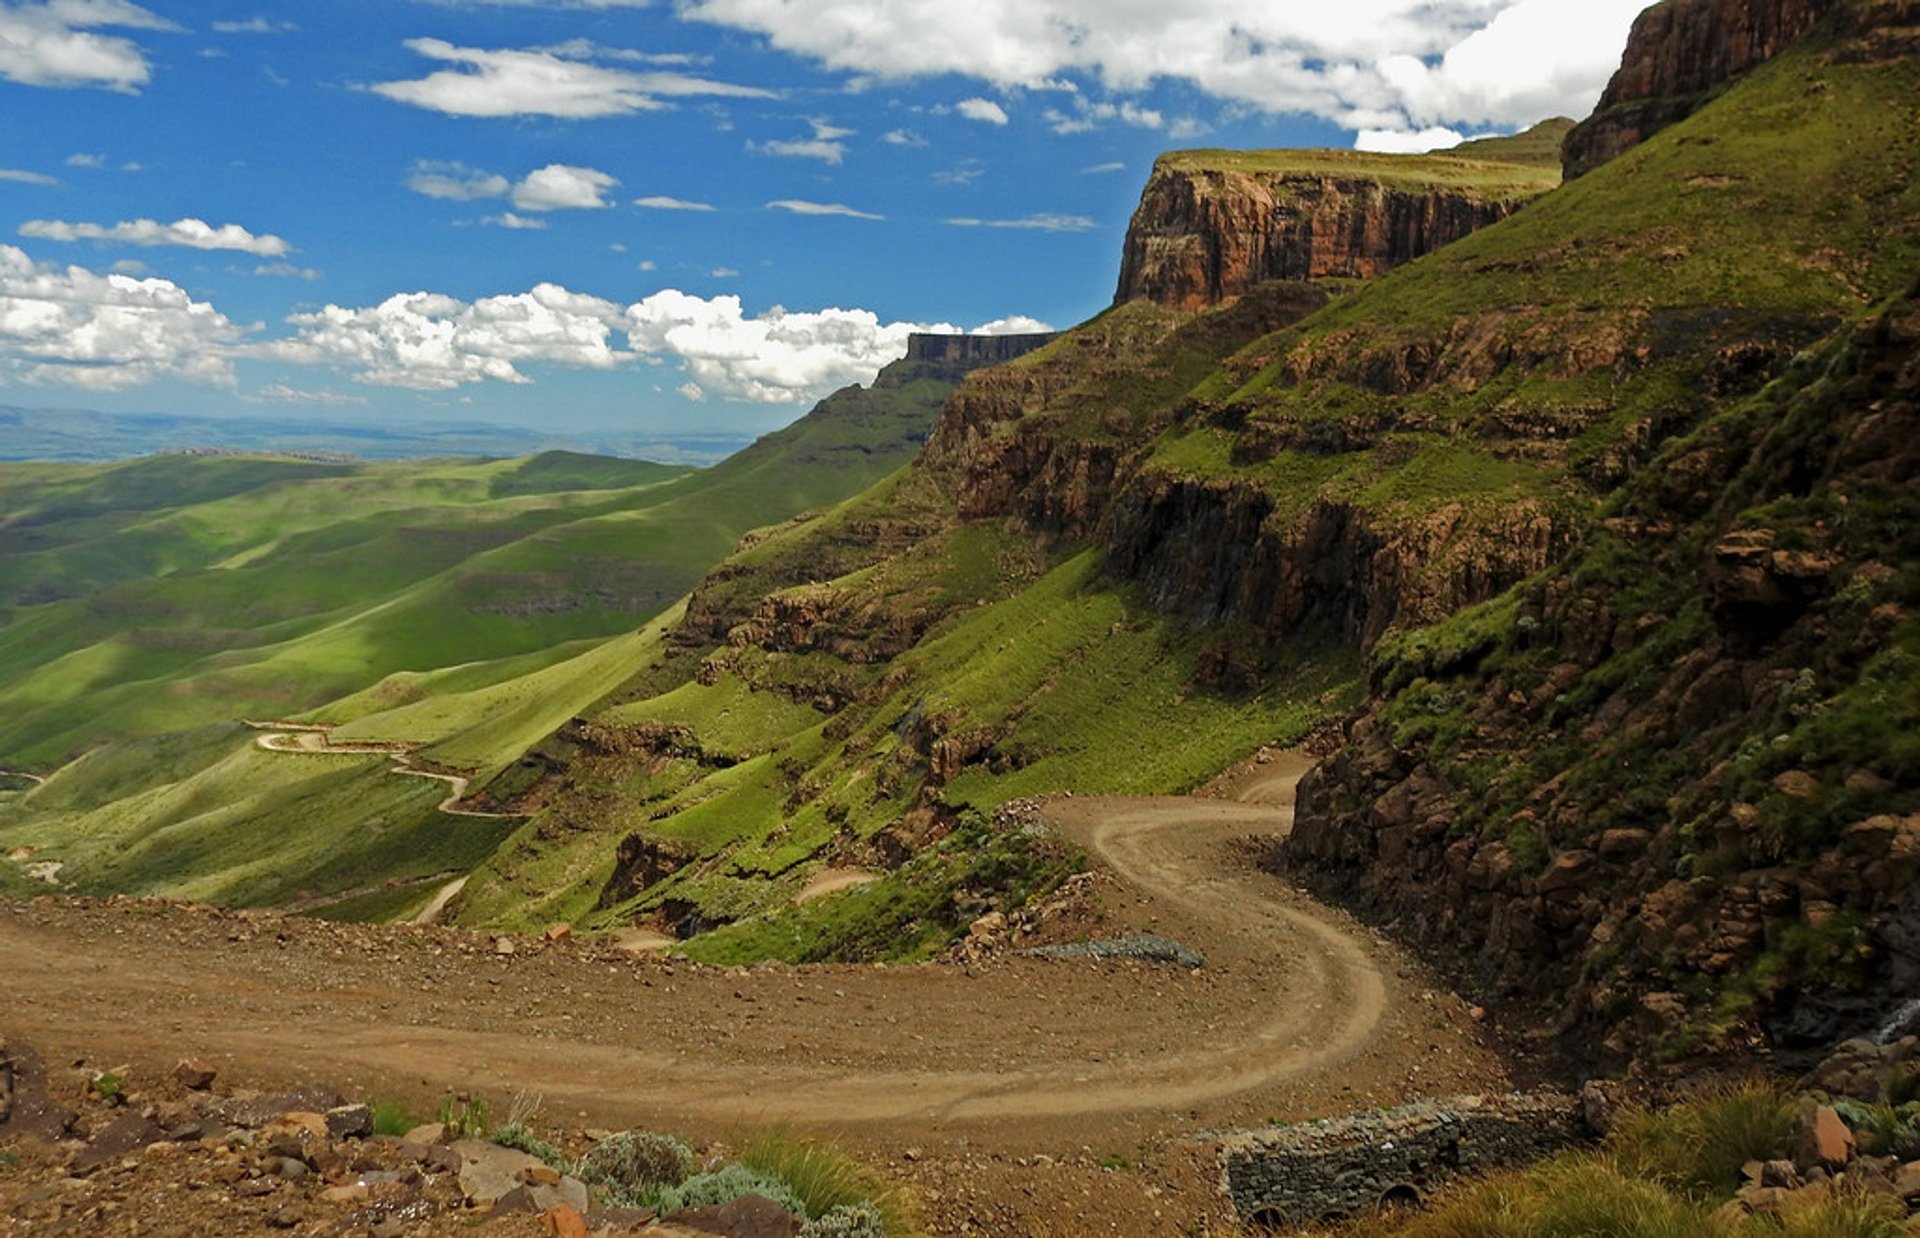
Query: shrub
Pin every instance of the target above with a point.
(861, 1220)
(464, 1117)
(1579, 1196)
(515, 1135)
(722, 1185)
(1846, 1216)
(632, 1167)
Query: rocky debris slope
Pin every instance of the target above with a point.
(86, 1149)
(1670, 790)
(1212, 224)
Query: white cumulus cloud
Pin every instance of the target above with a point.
(57, 44)
(75, 327)
(432, 342)
(544, 82)
(188, 233)
(982, 110)
(779, 357)
(1401, 65)
(558, 186)
(1407, 142)
(562, 186)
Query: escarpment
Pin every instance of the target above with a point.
(1212, 224)
(1668, 796)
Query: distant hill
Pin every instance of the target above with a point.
(148, 606)
(66, 434)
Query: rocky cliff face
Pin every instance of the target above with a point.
(1669, 794)
(1683, 51)
(1212, 224)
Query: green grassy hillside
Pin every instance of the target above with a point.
(467, 607)
(175, 591)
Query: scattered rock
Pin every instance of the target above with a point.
(564, 1221)
(1147, 948)
(428, 1133)
(988, 925)
(196, 1074)
(349, 1122)
(26, 1107)
(252, 1109)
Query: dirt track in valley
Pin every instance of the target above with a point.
(1299, 1011)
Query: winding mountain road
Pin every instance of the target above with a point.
(1297, 1011)
(307, 739)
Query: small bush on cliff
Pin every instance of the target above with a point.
(392, 1117)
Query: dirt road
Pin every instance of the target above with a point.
(1298, 1011)
(307, 739)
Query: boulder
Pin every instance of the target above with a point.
(1822, 1140)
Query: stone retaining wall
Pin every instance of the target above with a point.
(1338, 1168)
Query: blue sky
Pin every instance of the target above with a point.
(676, 215)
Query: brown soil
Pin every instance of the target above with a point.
(1020, 1095)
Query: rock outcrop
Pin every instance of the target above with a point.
(1212, 224)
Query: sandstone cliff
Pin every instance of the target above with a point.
(1211, 224)
(1682, 52)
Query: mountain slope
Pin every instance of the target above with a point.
(1211, 513)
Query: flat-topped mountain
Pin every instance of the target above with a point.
(1213, 223)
